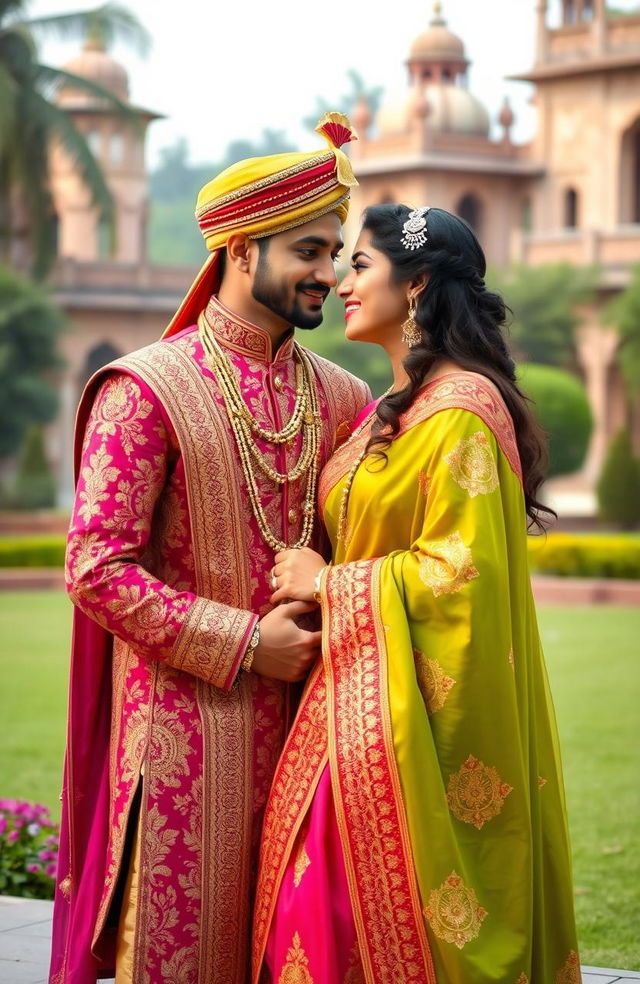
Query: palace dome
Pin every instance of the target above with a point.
(96, 65)
(450, 109)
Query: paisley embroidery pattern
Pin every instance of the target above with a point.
(296, 969)
(569, 973)
(453, 912)
(447, 565)
(473, 466)
(476, 793)
(434, 683)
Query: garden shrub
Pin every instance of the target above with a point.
(618, 487)
(35, 486)
(562, 409)
(27, 551)
(580, 555)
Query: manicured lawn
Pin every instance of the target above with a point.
(593, 665)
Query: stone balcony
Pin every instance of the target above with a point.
(614, 251)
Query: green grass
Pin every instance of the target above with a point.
(591, 654)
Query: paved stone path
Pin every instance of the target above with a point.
(25, 928)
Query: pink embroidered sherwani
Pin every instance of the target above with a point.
(169, 575)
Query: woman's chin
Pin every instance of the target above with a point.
(353, 334)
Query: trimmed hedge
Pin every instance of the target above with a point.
(32, 551)
(581, 555)
(565, 554)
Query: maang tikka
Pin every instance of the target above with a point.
(415, 229)
(411, 334)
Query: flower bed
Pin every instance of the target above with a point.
(28, 850)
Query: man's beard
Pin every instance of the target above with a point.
(275, 296)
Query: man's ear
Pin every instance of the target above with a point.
(239, 249)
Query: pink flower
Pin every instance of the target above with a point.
(51, 870)
(35, 869)
(13, 836)
(3, 824)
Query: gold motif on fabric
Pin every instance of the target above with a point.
(296, 969)
(120, 409)
(473, 466)
(541, 782)
(301, 858)
(65, 886)
(476, 793)
(569, 973)
(523, 979)
(96, 476)
(424, 483)
(453, 912)
(447, 566)
(512, 659)
(433, 682)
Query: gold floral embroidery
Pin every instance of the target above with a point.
(296, 971)
(120, 409)
(447, 566)
(433, 681)
(136, 498)
(472, 465)
(424, 483)
(302, 859)
(476, 793)
(523, 979)
(512, 661)
(569, 973)
(541, 782)
(453, 912)
(96, 476)
(65, 886)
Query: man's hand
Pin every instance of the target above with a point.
(285, 651)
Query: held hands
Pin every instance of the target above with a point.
(285, 651)
(294, 574)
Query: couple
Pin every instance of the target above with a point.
(403, 819)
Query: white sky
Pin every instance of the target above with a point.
(222, 69)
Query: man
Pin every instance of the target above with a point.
(197, 460)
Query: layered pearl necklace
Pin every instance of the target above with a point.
(305, 416)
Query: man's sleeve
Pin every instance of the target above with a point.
(124, 468)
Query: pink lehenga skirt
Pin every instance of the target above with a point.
(312, 939)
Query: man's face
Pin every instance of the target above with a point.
(296, 270)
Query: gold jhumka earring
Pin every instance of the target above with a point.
(411, 334)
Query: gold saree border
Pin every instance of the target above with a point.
(188, 398)
(294, 784)
(455, 391)
(366, 784)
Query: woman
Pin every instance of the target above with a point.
(416, 830)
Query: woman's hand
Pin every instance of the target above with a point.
(295, 574)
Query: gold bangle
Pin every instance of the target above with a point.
(247, 659)
(317, 584)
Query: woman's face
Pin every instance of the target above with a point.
(375, 306)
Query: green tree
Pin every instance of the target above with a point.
(29, 328)
(30, 120)
(624, 313)
(618, 487)
(35, 486)
(357, 88)
(545, 302)
(561, 406)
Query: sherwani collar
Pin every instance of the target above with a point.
(244, 337)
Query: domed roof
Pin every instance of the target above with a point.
(437, 43)
(450, 110)
(95, 64)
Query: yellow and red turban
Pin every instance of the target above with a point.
(263, 196)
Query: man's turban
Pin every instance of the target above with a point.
(263, 196)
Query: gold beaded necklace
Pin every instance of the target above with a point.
(305, 416)
(341, 533)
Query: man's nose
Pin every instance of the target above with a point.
(326, 273)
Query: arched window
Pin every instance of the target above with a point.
(469, 208)
(630, 174)
(116, 149)
(587, 10)
(94, 139)
(569, 12)
(98, 357)
(570, 208)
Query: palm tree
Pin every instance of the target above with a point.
(30, 120)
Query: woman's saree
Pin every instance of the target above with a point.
(428, 726)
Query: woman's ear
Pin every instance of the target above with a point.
(417, 285)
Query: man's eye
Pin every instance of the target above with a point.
(309, 253)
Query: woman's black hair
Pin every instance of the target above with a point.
(459, 320)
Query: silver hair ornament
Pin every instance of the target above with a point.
(415, 229)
